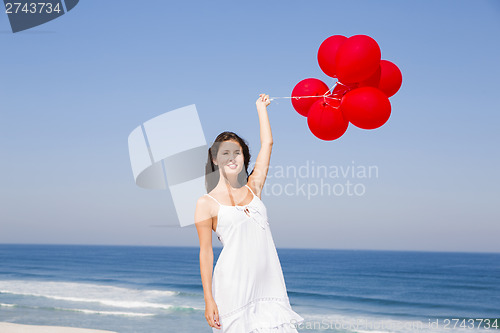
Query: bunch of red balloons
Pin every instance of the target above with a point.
(361, 93)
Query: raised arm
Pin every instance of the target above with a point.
(258, 176)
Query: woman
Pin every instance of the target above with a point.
(247, 292)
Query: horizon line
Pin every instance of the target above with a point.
(283, 248)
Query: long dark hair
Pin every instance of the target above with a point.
(212, 174)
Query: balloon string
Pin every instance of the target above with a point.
(329, 91)
(338, 82)
(299, 97)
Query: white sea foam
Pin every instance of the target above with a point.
(49, 286)
(88, 311)
(109, 313)
(7, 305)
(108, 302)
(117, 297)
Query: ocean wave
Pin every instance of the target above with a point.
(109, 302)
(117, 297)
(7, 305)
(86, 311)
(355, 299)
(107, 313)
(35, 286)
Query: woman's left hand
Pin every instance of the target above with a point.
(263, 100)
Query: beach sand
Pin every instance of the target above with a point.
(17, 328)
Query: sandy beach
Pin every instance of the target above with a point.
(17, 328)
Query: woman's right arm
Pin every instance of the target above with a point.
(203, 222)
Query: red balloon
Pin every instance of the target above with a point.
(372, 81)
(326, 122)
(307, 87)
(357, 59)
(327, 52)
(388, 78)
(366, 107)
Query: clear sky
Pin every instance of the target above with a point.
(74, 88)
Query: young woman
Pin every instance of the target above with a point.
(247, 291)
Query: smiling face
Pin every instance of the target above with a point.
(230, 157)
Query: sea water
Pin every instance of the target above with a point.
(158, 289)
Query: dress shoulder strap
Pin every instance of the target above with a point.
(250, 189)
(214, 199)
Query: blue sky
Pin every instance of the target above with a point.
(74, 88)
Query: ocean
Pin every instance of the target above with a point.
(158, 289)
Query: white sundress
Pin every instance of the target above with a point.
(248, 284)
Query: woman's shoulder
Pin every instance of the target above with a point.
(203, 204)
(203, 200)
(204, 209)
